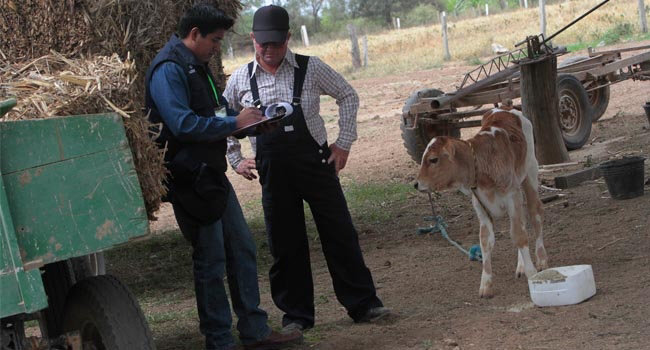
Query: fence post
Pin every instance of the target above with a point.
(398, 25)
(356, 60)
(642, 18)
(231, 54)
(487, 10)
(445, 44)
(525, 3)
(364, 42)
(542, 16)
(303, 34)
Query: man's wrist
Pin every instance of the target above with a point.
(231, 122)
(343, 145)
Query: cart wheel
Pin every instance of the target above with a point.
(106, 315)
(416, 140)
(599, 98)
(575, 111)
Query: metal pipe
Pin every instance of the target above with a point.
(574, 21)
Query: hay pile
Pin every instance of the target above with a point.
(88, 76)
(54, 85)
(31, 28)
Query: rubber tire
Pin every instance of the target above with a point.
(105, 313)
(58, 278)
(570, 87)
(416, 140)
(599, 98)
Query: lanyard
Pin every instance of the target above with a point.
(216, 96)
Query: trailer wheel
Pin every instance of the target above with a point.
(575, 111)
(417, 139)
(599, 98)
(106, 315)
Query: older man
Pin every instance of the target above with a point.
(295, 163)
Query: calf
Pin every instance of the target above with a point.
(494, 167)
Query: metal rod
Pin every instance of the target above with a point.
(574, 21)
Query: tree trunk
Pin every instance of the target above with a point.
(316, 22)
(540, 104)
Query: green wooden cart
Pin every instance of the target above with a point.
(68, 191)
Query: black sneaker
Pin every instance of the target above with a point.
(374, 314)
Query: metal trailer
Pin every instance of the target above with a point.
(582, 83)
(583, 88)
(68, 191)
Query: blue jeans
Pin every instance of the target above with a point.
(225, 247)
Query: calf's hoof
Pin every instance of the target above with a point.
(519, 273)
(486, 291)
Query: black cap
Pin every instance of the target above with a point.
(270, 24)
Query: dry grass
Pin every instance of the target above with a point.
(420, 48)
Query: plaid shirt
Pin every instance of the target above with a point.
(320, 79)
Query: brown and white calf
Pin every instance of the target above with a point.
(498, 168)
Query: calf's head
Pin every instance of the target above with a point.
(444, 165)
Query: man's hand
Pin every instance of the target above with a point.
(248, 116)
(339, 157)
(245, 169)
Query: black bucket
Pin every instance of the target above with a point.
(624, 177)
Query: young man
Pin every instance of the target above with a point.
(295, 163)
(182, 97)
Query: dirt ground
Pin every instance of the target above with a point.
(432, 287)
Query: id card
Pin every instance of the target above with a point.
(220, 112)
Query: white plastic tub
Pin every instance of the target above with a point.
(565, 285)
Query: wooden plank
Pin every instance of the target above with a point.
(613, 67)
(576, 178)
(76, 207)
(593, 52)
(83, 196)
(20, 291)
(31, 143)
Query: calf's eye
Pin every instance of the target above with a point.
(433, 160)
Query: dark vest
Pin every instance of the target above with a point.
(197, 181)
(202, 102)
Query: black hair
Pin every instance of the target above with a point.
(205, 17)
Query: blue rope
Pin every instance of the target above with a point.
(474, 252)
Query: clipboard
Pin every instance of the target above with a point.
(273, 113)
